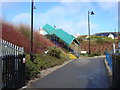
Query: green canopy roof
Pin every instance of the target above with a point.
(49, 29)
(67, 38)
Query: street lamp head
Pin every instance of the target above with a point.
(34, 7)
(54, 26)
(92, 13)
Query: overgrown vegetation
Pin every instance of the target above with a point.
(20, 35)
(43, 62)
(80, 39)
(96, 37)
(97, 43)
(102, 40)
(54, 51)
(31, 70)
(25, 30)
(91, 54)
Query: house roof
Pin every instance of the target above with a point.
(115, 34)
(60, 33)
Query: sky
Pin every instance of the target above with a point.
(72, 16)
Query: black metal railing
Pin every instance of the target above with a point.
(13, 65)
(13, 75)
(113, 60)
(116, 70)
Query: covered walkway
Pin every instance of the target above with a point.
(60, 33)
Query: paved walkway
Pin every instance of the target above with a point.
(82, 73)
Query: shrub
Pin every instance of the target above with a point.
(103, 37)
(91, 54)
(107, 38)
(9, 33)
(95, 54)
(54, 51)
(41, 43)
(30, 68)
(20, 35)
(25, 30)
(47, 61)
(84, 55)
(41, 63)
(100, 41)
(117, 51)
(80, 39)
(95, 37)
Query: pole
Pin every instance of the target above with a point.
(89, 30)
(31, 54)
(54, 36)
(78, 52)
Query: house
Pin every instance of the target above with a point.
(76, 35)
(112, 35)
(41, 31)
(87, 36)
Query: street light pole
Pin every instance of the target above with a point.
(89, 31)
(31, 53)
(54, 36)
(91, 13)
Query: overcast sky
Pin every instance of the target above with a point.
(70, 16)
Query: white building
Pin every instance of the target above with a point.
(41, 31)
(76, 35)
(111, 36)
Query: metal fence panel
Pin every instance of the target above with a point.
(116, 70)
(13, 75)
(13, 67)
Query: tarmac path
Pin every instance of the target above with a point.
(81, 73)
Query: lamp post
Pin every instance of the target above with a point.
(54, 36)
(89, 13)
(31, 50)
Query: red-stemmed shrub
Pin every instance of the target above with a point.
(21, 38)
(10, 34)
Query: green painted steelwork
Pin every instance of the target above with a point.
(67, 38)
(49, 29)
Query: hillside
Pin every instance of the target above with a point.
(98, 47)
(20, 35)
(97, 44)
